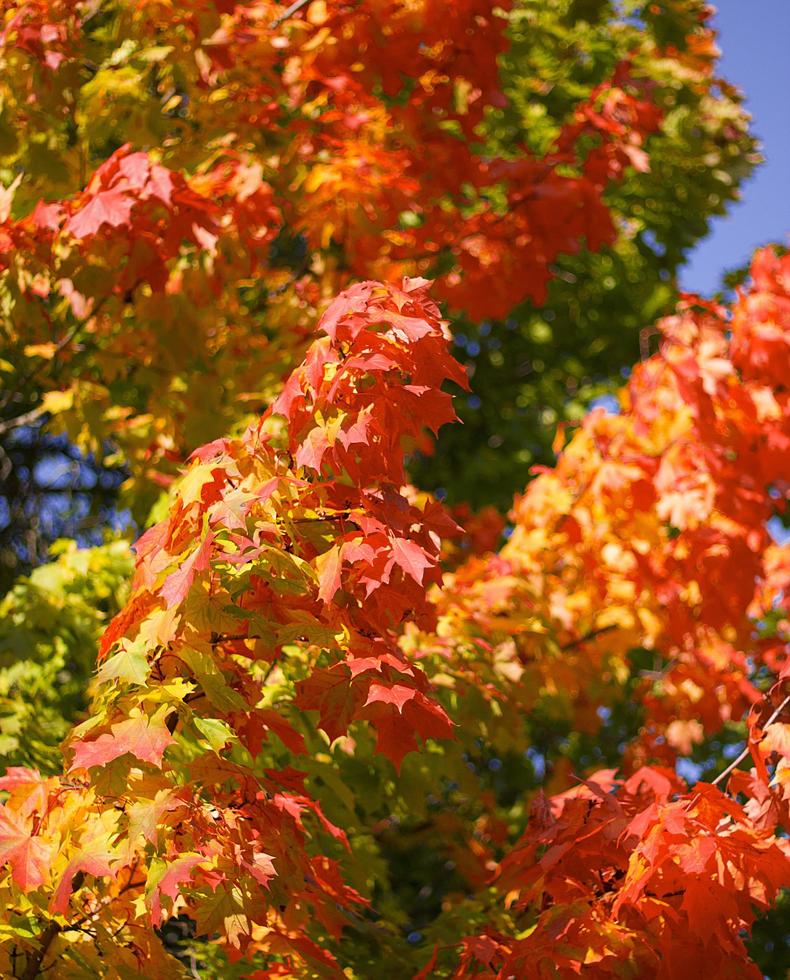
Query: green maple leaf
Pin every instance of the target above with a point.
(129, 664)
(212, 680)
(217, 733)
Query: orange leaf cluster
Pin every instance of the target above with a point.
(651, 532)
(279, 586)
(632, 878)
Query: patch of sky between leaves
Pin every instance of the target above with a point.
(608, 403)
(777, 530)
(688, 770)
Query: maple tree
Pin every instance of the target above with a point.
(302, 558)
(285, 596)
(335, 729)
(187, 190)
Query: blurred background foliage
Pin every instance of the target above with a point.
(50, 623)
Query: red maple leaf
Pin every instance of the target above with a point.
(145, 738)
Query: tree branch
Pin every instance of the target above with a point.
(21, 420)
(121, 891)
(46, 939)
(64, 341)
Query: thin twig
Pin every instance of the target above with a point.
(341, 516)
(657, 675)
(736, 762)
(588, 636)
(644, 342)
(130, 884)
(217, 638)
(289, 12)
(193, 965)
(64, 341)
(267, 675)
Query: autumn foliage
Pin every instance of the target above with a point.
(212, 176)
(337, 728)
(292, 550)
(304, 547)
(650, 533)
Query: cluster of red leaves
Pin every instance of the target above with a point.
(363, 148)
(276, 560)
(291, 557)
(500, 256)
(620, 122)
(44, 29)
(652, 529)
(279, 585)
(144, 242)
(503, 258)
(632, 878)
(140, 216)
(652, 532)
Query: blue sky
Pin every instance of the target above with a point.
(754, 36)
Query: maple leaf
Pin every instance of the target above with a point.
(29, 792)
(129, 664)
(777, 739)
(261, 867)
(178, 583)
(397, 695)
(313, 449)
(329, 566)
(146, 817)
(136, 168)
(212, 680)
(275, 723)
(167, 880)
(411, 558)
(95, 863)
(695, 856)
(330, 692)
(224, 911)
(111, 207)
(30, 857)
(399, 717)
(143, 737)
